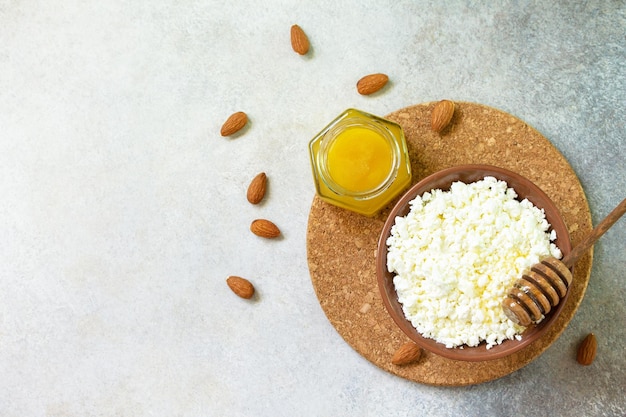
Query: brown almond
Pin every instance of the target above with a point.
(442, 115)
(406, 354)
(299, 40)
(256, 189)
(587, 350)
(371, 83)
(264, 228)
(240, 286)
(234, 123)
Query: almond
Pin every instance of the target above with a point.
(264, 228)
(256, 189)
(406, 354)
(234, 123)
(442, 115)
(371, 83)
(299, 40)
(240, 286)
(587, 350)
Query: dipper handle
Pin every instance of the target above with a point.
(570, 259)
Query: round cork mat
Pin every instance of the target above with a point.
(341, 245)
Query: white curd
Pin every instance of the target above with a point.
(457, 252)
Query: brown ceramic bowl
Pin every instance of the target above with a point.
(442, 180)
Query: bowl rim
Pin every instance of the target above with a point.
(446, 177)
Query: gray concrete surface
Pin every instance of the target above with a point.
(122, 210)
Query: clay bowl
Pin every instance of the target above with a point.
(442, 180)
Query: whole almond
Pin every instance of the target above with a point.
(234, 123)
(371, 83)
(240, 286)
(406, 354)
(442, 115)
(587, 350)
(299, 40)
(264, 228)
(256, 189)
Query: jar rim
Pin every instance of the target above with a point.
(333, 133)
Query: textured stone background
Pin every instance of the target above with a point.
(122, 210)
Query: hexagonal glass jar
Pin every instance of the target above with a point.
(360, 162)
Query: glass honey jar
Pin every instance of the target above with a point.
(360, 162)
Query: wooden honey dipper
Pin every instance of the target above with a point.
(547, 282)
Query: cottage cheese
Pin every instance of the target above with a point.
(456, 254)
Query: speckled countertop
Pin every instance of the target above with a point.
(122, 209)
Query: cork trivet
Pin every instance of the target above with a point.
(341, 245)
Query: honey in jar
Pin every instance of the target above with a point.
(360, 162)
